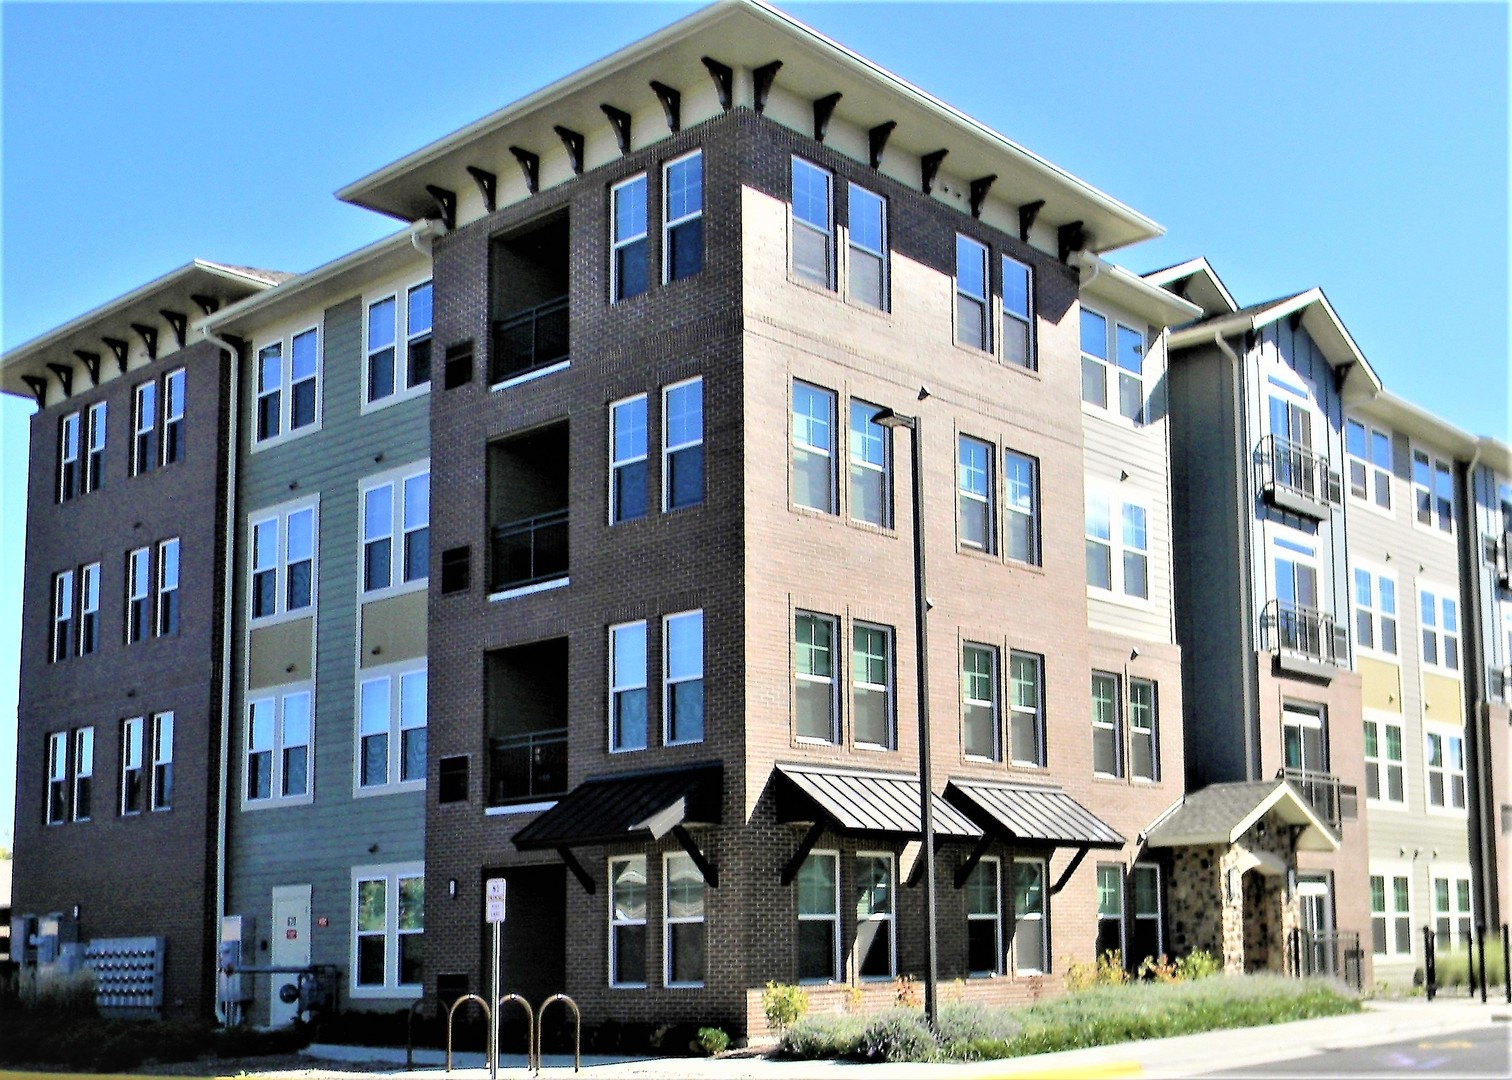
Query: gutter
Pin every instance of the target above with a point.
(1473, 647)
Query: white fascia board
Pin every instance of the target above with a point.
(1198, 267)
(1413, 420)
(1133, 293)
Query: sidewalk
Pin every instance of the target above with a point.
(1185, 1055)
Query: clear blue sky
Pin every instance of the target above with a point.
(1359, 147)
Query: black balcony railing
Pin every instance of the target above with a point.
(1334, 801)
(1302, 631)
(1327, 953)
(529, 340)
(528, 551)
(1296, 479)
(529, 766)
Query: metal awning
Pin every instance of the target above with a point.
(1021, 813)
(856, 801)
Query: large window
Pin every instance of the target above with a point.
(682, 444)
(818, 884)
(396, 531)
(974, 493)
(138, 595)
(1107, 759)
(284, 549)
(872, 685)
(56, 809)
(1451, 912)
(1021, 507)
(972, 295)
(1144, 739)
(1104, 352)
(143, 425)
(168, 587)
(683, 229)
(173, 418)
(278, 747)
(1369, 453)
(1018, 314)
(1432, 491)
(867, 244)
(288, 391)
(83, 781)
(627, 459)
(627, 686)
(1446, 770)
(683, 944)
(814, 678)
(62, 615)
(398, 355)
(627, 921)
(89, 608)
(1440, 627)
(68, 457)
(979, 702)
(683, 686)
(131, 766)
(628, 276)
(1026, 722)
(1384, 771)
(1118, 562)
(876, 923)
(388, 922)
(94, 461)
(813, 224)
(1375, 612)
(1390, 915)
(1146, 934)
(984, 919)
(813, 447)
(162, 761)
(1031, 930)
(1110, 908)
(870, 467)
(392, 729)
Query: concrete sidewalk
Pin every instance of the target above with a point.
(1186, 1055)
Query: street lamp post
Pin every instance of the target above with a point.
(891, 420)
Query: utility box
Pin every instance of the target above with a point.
(128, 976)
(233, 992)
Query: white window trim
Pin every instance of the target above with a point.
(1383, 763)
(832, 680)
(390, 874)
(285, 390)
(137, 724)
(1445, 732)
(1153, 730)
(139, 590)
(1373, 472)
(1440, 634)
(90, 478)
(986, 299)
(160, 722)
(278, 696)
(668, 449)
(1123, 907)
(888, 690)
(669, 920)
(615, 921)
(1033, 514)
(1038, 712)
(393, 479)
(394, 675)
(1042, 918)
(57, 774)
(71, 423)
(1031, 358)
(615, 244)
(1120, 764)
(399, 294)
(1112, 411)
(1388, 872)
(995, 917)
(831, 453)
(667, 678)
(1454, 874)
(989, 500)
(1435, 461)
(142, 463)
(668, 223)
(885, 255)
(280, 514)
(61, 640)
(884, 470)
(795, 223)
(836, 968)
(88, 608)
(169, 418)
(1117, 593)
(617, 688)
(1376, 613)
(158, 608)
(890, 918)
(998, 751)
(615, 463)
(82, 737)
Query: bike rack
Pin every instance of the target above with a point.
(409, 1032)
(531, 1054)
(487, 1015)
(577, 1037)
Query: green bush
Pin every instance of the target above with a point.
(783, 1004)
(1452, 968)
(713, 1040)
(1198, 964)
(827, 1036)
(897, 1035)
(976, 1032)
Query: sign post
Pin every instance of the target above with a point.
(495, 915)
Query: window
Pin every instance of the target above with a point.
(283, 553)
(682, 235)
(1021, 505)
(1121, 565)
(168, 587)
(1432, 491)
(381, 348)
(867, 248)
(876, 947)
(83, 785)
(1446, 770)
(1127, 359)
(1390, 916)
(304, 372)
(384, 532)
(1369, 454)
(627, 246)
(131, 766)
(813, 447)
(971, 294)
(269, 392)
(62, 614)
(814, 678)
(1094, 358)
(57, 778)
(627, 459)
(1146, 937)
(173, 417)
(143, 421)
(392, 729)
(1451, 913)
(94, 462)
(1018, 314)
(1099, 541)
(418, 315)
(162, 761)
(683, 693)
(1440, 625)
(68, 457)
(1106, 737)
(1304, 737)
(627, 921)
(683, 947)
(388, 946)
(984, 921)
(682, 444)
(1136, 552)
(1375, 612)
(813, 224)
(1110, 908)
(1031, 930)
(1144, 757)
(627, 686)
(89, 609)
(288, 394)
(818, 883)
(385, 369)
(974, 490)
(870, 467)
(138, 585)
(871, 689)
(979, 702)
(1128, 345)
(1026, 723)
(278, 747)
(1383, 758)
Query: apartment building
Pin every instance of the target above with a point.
(120, 723)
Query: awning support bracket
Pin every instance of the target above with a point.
(709, 871)
(1076, 860)
(810, 838)
(584, 879)
(971, 861)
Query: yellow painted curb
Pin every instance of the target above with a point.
(1078, 1072)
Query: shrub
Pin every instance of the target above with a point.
(713, 1040)
(855, 998)
(906, 992)
(63, 997)
(1162, 970)
(898, 1035)
(823, 1037)
(783, 1004)
(1198, 964)
(976, 1032)
(1453, 969)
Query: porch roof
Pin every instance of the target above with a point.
(856, 801)
(605, 809)
(1034, 813)
(1222, 813)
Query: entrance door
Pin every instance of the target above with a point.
(1306, 748)
(289, 947)
(1315, 911)
(1292, 425)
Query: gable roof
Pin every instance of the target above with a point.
(1196, 280)
(1222, 813)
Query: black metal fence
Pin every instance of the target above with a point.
(1327, 953)
(528, 551)
(529, 340)
(1475, 949)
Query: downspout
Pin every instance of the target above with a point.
(1481, 827)
(1084, 260)
(1249, 703)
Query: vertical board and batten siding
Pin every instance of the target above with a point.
(318, 843)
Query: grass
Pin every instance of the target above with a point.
(1452, 969)
(1097, 1016)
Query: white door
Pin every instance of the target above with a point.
(1315, 908)
(290, 946)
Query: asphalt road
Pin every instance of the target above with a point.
(1477, 1052)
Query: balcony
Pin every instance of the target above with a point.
(528, 552)
(1296, 480)
(1331, 800)
(527, 767)
(529, 281)
(529, 341)
(1304, 640)
(526, 721)
(527, 510)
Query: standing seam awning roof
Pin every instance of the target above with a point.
(1039, 814)
(606, 809)
(864, 802)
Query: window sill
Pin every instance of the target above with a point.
(259, 445)
(255, 805)
(282, 617)
(873, 748)
(389, 591)
(526, 590)
(1117, 419)
(519, 808)
(1137, 603)
(811, 285)
(530, 376)
(889, 531)
(398, 397)
(376, 790)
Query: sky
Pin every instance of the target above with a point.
(1360, 147)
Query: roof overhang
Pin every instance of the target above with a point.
(1283, 800)
(1197, 281)
(1103, 280)
(858, 802)
(628, 806)
(745, 35)
(1031, 814)
(1413, 420)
